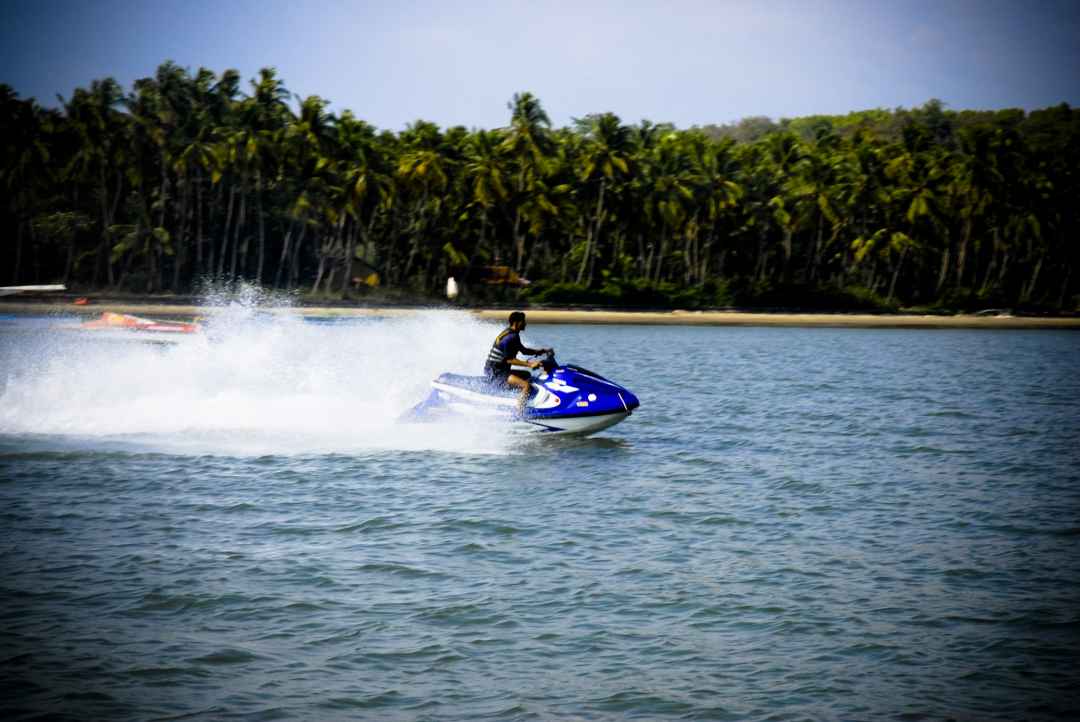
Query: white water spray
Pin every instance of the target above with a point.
(261, 380)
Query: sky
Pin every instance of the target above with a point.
(687, 62)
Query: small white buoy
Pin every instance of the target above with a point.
(451, 288)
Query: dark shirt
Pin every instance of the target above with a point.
(506, 347)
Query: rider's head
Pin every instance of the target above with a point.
(517, 320)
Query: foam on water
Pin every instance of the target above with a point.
(261, 380)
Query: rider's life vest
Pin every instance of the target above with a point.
(498, 362)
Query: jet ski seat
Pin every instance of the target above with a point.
(480, 384)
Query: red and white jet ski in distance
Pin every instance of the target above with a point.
(125, 322)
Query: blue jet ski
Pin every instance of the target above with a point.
(563, 399)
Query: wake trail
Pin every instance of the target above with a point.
(258, 381)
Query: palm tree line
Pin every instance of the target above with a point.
(188, 179)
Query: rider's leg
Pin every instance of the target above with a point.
(524, 385)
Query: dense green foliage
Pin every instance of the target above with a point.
(187, 180)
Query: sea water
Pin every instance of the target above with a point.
(796, 524)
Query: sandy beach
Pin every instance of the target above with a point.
(579, 316)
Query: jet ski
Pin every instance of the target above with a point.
(563, 399)
(110, 320)
(113, 327)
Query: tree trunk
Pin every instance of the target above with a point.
(895, 275)
(519, 241)
(690, 250)
(816, 263)
(660, 256)
(563, 270)
(642, 271)
(595, 246)
(993, 262)
(294, 262)
(414, 249)
(706, 254)
(36, 257)
(539, 248)
(220, 276)
(961, 256)
(592, 234)
(944, 272)
(1029, 289)
(262, 231)
(198, 224)
(19, 233)
(182, 239)
(130, 256)
(69, 260)
(787, 246)
(762, 256)
(350, 254)
(475, 251)
(150, 249)
(104, 254)
(720, 263)
(322, 268)
(283, 260)
(329, 253)
(158, 282)
(1064, 289)
(391, 248)
(241, 217)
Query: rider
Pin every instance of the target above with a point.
(503, 355)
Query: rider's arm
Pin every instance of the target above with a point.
(516, 347)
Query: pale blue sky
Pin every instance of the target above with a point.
(690, 62)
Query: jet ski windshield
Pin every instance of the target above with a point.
(549, 364)
(585, 371)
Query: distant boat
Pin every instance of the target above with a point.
(14, 290)
(127, 322)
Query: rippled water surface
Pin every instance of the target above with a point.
(797, 524)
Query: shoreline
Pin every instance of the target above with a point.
(578, 316)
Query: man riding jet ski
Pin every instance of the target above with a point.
(503, 355)
(558, 398)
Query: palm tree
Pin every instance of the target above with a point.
(784, 152)
(914, 203)
(861, 192)
(484, 172)
(976, 179)
(529, 144)
(814, 186)
(304, 147)
(359, 177)
(423, 171)
(670, 198)
(270, 111)
(197, 157)
(716, 195)
(100, 157)
(606, 159)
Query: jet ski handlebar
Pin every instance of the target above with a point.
(547, 360)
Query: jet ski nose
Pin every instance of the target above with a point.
(629, 400)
